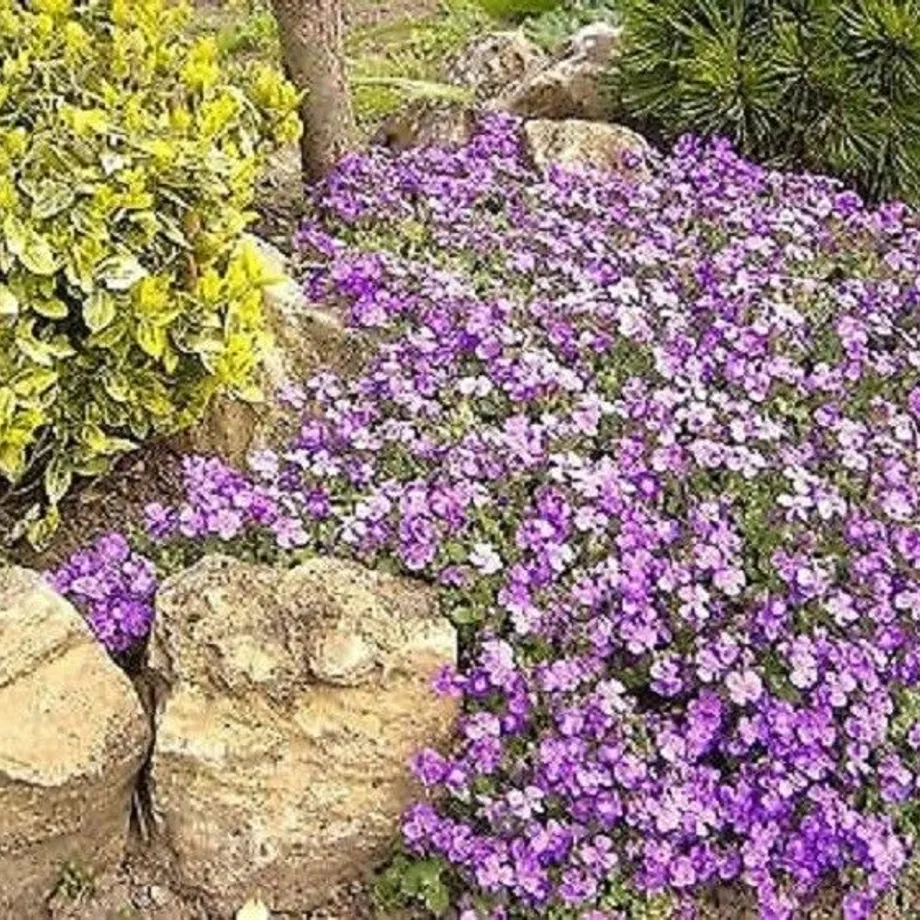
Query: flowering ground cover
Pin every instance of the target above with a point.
(657, 440)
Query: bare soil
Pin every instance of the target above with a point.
(144, 889)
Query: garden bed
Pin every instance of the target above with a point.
(628, 457)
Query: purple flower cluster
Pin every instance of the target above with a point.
(658, 441)
(221, 503)
(113, 587)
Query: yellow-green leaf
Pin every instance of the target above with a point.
(120, 273)
(40, 532)
(50, 308)
(12, 460)
(58, 477)
(7, 406)
(98, 310)
(151, 338)
(34, 382)
(9, 303)
(116, 386)
(53, 198)
(37, 256)
(14, 234)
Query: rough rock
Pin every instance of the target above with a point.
(281, 193)
(485, 68)
(290, 703)
(597, 42)
(586, 143)
(73, 739)
(571, 84)
(427, 123)
(492, 62)
(305, 337)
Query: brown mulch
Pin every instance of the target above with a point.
(114, 502)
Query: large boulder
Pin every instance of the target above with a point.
(73, 740)
(306, 337)
(290, 703)
(574, 143)
(570, 85)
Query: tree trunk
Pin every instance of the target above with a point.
(314, 57)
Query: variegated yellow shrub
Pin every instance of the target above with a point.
(127, 166)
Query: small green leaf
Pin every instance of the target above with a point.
(117, 446)
(37, 256)
(437, 899)
(53, 198)
(58, 478)
(170, 361)
(7, 406)
(152, 339)
(98, 310)
(14, 234)
(109, 337)
(9, 303)
(117, 387)
(466, 614)
(96, 466)
(34, 349)
(40, 532)
(34, 382)
(12, 460)
(120, 273)
(52, 308)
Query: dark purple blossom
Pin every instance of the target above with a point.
(113, 587)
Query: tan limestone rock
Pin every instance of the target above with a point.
(571, 85)
(290, 705)
(586, 143)
(73, 737)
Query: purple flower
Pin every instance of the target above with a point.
(113, 587)
(744, 687)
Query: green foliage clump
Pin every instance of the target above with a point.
(513, 8)
(408, 883)
(253, 31)
(127, 168)
(396, 60)
(76, 883)
(551, 28)
(824, 85)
